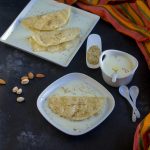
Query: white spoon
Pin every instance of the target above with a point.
(134, 92)
(124, 91)
(114, 77)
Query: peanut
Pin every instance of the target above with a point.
(15, 89)
(2, 82)
(25, 81)
(24, 77)
(40, 75)
(20, 99)
(30, 75)
(19, 91)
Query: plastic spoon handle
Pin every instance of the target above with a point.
(123, 90)
(134, 107)
(134, 92)
(133, 116)
(114, 77)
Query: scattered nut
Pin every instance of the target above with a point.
(2, 82)
(30, 75)
(19, 91)
(25, 81)
(15, 89)
(40, 75)
(20, 99)
(24, 77)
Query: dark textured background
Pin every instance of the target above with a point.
(22, 127)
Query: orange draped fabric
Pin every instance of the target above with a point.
(142, 135)
(130, 17)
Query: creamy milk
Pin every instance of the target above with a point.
(119, 64)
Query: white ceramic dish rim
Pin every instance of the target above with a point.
(23, 13)
(93, 39)
(42, 97)
(124, 53)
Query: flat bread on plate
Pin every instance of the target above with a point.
(55, 37)
(53, 48)
(49, 21)
(76, 107)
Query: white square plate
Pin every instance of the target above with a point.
(75, 84)
(16, 34)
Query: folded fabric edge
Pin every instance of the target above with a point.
(144, 52)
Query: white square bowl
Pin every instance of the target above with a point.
(83, 85)
(16, 35)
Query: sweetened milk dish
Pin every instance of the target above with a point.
(117, 64)
(117, 67)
